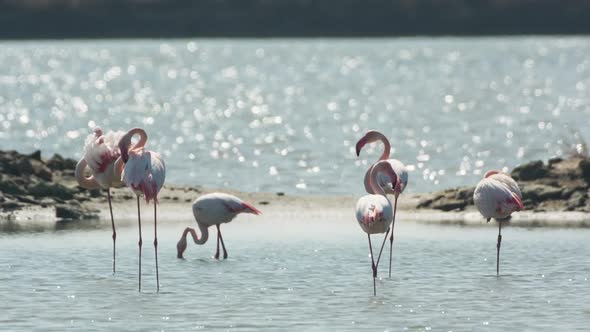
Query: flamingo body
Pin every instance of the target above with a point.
(213, 209)
(374, 213)
(496, 196)
(495, 199)
(219, 208)
(144, 173)
(100, 153)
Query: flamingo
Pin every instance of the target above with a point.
(144, 172)
(100, 154)
(398, 167)
(374, 212)
(496, 196)
(213, 209)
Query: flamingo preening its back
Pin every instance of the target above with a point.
(101, 151)
(213, 209)
(496, 196)
(143, 172)
(374, 212)
(398, 167)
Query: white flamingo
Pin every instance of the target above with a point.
(374, 212)
(100, 153)
(496, 196)
(213, 209)
(144, 172)
(398, 167)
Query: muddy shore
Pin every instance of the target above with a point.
(42, 191)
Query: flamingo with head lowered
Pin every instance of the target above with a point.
(100, 154)
(213, 209)
(374, 212)
(144, 172)
(398, 167)
(496, 196)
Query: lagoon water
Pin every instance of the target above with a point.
(297, 275)
(283, 115)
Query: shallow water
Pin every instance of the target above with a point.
(283, 115)
(305, 274)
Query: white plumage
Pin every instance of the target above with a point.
(100, 153)
(213, 209)
(374, 213)
(496, 199)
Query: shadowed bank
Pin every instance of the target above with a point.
(288, 18)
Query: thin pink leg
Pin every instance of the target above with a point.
(391, 238)
(222, 244)
(113, 224)
(498, 247)
(373, 266)
(156, 246)
(140, 240)
(217, 252)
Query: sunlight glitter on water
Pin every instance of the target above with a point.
(272, 115)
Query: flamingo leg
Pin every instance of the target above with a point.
(391, 238)
(222, 244)
(156, 246)
(382, 246)
(217, 252)
(373, 266)
(498, 247)
(113, 224)
(140, 240)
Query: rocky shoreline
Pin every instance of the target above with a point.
(560, 185)
(32, 187)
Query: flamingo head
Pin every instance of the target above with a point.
(490, 173)
(370, 137)
(181, 247)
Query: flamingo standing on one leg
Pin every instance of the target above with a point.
(144, 172)
(100, 153)
(399, 169)
(213, 209)
(374, 212)
(496, 196)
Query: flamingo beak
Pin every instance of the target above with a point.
(359, 146)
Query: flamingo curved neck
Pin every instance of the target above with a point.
(385, 168)
(204, 233)
(125, 142)
(386, 146)
(83, 181)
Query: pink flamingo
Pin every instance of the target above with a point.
(144, 172)
(496, 196)
(398, 167)
(100, 153)
(213, 209)
(374, 212)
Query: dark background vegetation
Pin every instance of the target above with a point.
(288, 18)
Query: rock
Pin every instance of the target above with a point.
(577, 199)
(554, 161)
(530, 171)
(42, 171)
(70, 164)
(584, 166)
(10, 205)
(540, 192)
(8, 186)
(55, 190)
(35, 155)
(280, 193)
(24, 166)
(72, 211)
(56, 163)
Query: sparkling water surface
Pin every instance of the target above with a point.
(283, 115)
(290, 275)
